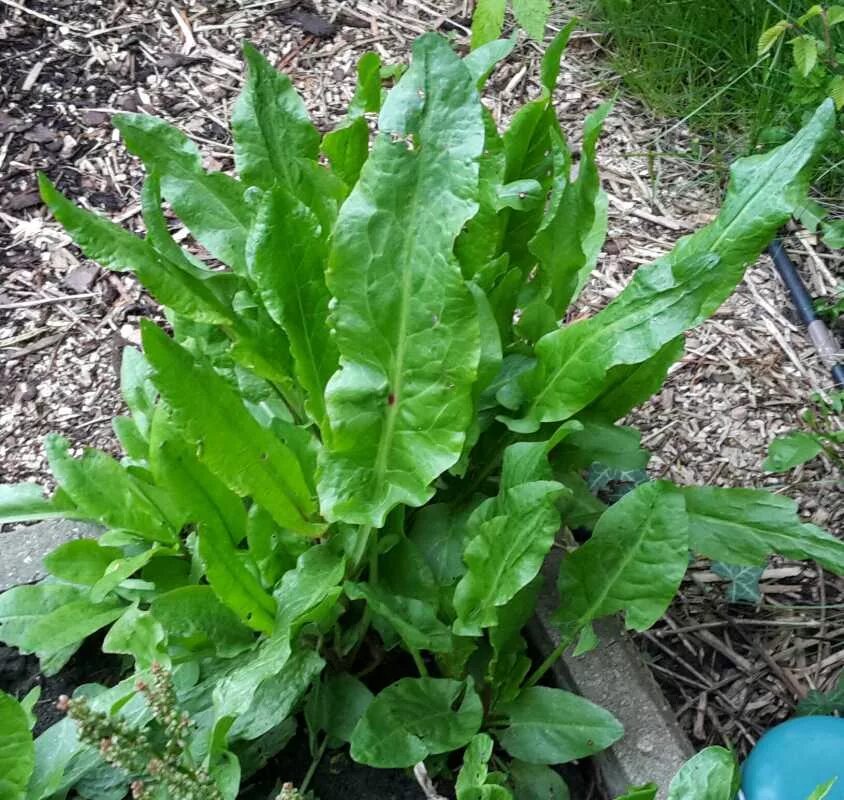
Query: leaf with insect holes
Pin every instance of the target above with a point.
(679, 290)
(406, 324)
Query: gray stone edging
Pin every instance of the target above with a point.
(615, 677)
(23, 548)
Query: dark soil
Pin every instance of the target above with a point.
(20, 674)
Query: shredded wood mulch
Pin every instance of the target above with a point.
(67, 65)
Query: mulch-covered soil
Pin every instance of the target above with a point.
(67, 65)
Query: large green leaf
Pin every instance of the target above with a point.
(745, 526)
(106, 492)
(117, 249)
(406, 324)
(286, 254)
(415, 718)
(567, 244)
(347, 146)
(510, 535)
(633, 562)
(414, 620)
(51, 620)
(712, 774)
(211, 205)
(26, 502)
(487, 21)
(270, 126)
(336, 705)
(17, 750)
(550, 726)
(221, 525)
(82, 561)
(679, 290)
(247, 457)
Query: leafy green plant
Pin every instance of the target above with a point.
(488, 18)
(822, 434)
(369, 423)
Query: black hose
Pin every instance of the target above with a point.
(822, 339)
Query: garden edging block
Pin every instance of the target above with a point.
(614, 676)
(23, 548)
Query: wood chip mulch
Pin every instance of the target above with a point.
(67, 65)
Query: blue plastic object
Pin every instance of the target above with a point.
(791, 760)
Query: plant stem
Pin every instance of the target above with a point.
(549, 662)
(420, 664)
(312, 768)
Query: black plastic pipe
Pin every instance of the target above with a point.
(824, 342)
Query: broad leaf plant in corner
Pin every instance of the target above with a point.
(360, 440)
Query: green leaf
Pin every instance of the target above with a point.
(247, 457)
(566, 244)
(116, 249)
(823, 703)
(805, 49)
(646, 792)
(483, 60)
(835, 15)
(221, 525)
(743, 584)
(487, 22)
(270, 126)
(414, 620)
(510, 535)
(553, 55)
(336, 706)
(679, 290)
(537, 782)
(532, 15)
(472, 779)
(211, 205)
(630, 385)
(406, 324)
(81, 561)
(416, 718)
(277, 696)
(139, 634)
(712, 774)
(347, 146)
(194, 618)
(823, 790)
(52, 620)
(104, 491)
(286, 254)
(833, 232)
(633, 562)
(770, 36)
(745, 526)
(814, 11)
(123, 568)
(26, 502)
(439, 531)
(788, 451)
(17, 751)
(550, 726)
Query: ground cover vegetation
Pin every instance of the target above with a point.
(743, 75)
(366, 428)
